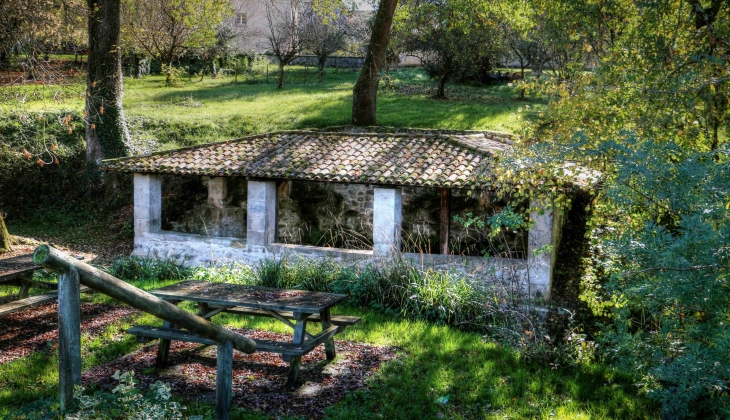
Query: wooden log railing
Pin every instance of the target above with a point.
(74, 272)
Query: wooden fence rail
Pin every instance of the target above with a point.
(74, 273)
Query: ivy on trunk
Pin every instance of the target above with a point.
(107, 135)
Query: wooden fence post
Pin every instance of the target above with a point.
(69, 336)
(224, 381)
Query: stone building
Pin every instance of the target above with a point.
(352, 197)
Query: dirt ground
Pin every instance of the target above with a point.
(258, 379)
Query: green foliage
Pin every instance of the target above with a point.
(152, 268)
(653, 119)
(456, 38)
(42, 163)
(672, 272)
(235, 273)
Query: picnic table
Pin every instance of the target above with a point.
(18, 271)
(284, 305)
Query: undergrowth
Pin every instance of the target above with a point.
(398, 288)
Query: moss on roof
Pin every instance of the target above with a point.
(420, 158)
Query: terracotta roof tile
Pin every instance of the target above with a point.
(418, 159)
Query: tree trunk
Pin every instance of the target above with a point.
(135, 66)
(5, 240)
(107, 135)
(281, 75)
(320, 68)
(441, 92)
(364, 94)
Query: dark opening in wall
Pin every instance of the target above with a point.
(185, 207)
(326, 214)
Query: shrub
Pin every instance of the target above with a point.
(231, 273)
(151, 268)
(126, 402)
(398, 287)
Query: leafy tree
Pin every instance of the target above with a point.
(221, 49)
(523, 29)
(652, 118)
(166, 29)
(450, 38)
(286, 36)
(324, 36)
(31, 29)
(365, 91)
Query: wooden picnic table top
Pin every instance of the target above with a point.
(231, 295)
(11, 267)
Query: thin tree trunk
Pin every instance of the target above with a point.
(441, 93)
(135, 66)
(364, 94)
(522, 76)
(281, 75)
(107, 135)
(320, 69)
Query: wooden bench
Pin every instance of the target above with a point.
(145, 332)
(18, 271)
(224, 356)
(339, 320)
(19, 305)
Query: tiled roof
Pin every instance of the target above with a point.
(454, 160)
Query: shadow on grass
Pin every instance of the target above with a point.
(481, 379)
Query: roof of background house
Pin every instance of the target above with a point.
(414, 158)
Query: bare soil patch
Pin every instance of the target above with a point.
(258, 379)
(36, 328)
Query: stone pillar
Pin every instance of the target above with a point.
(544, 238)
(387, 220)
(147, 203)
(218, 191)
(261, 213)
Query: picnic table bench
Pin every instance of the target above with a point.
(18, 271)
(283, 304)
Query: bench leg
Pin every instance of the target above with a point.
(329, 345)
(224, 381)
(24, 288)
(296, 361)
(294, 365)
(163, 349)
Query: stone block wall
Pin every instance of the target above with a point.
(334, 215)
(326, 214)
(193, 212)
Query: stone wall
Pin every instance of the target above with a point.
(334, 62)
(340, 216)
(326, 214)
(191, 212)
(195, 250)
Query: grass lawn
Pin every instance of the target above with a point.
(481, 379)
(194, 111)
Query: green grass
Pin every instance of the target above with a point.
(482, 379)
(193, 112)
